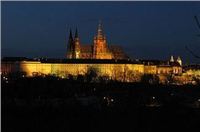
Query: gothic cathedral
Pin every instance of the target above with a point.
(99, 49)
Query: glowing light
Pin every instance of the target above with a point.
(120, 72)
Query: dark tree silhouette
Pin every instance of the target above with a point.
(92, 74)
(150, 79)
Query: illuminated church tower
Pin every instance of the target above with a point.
(70, 46)
(179, 60)
(76, 53)
(73, 46)
(100, 49)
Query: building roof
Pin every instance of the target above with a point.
(14, 59)
(118, 52)
(159, 62)
(86, 49)
(192, 67)
(74, 61)
(94, 61)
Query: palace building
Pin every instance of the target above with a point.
(107, 60)
(120, 70)
(98, 50)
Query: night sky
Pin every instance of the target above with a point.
(146, 30)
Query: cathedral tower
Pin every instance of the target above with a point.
(100, 49)
(77, 50)
(70, 46)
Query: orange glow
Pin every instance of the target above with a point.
(120, 72)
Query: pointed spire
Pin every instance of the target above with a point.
(100, 31)
(70, 44)
(76, 33)
(70, 33)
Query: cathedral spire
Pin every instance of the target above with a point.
(70, 45)
(76, 54)
(100, 31)
(70, 34)
(76, 33)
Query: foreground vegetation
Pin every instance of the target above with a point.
(56, 104)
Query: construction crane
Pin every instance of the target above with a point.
(187, 48)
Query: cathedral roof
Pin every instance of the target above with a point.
(86, 49)
(118, 51)
(116, 48)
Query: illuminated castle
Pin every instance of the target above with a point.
(99, 49)
(106, 60)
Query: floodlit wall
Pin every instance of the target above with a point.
(193, 72)
(150, 69)
(121, 72)
(32, 68)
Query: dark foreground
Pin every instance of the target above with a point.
(38, 104)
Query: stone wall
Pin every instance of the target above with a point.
(115, 71)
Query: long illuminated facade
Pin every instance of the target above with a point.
(121, 70)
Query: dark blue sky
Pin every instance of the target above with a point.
(151, 30)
